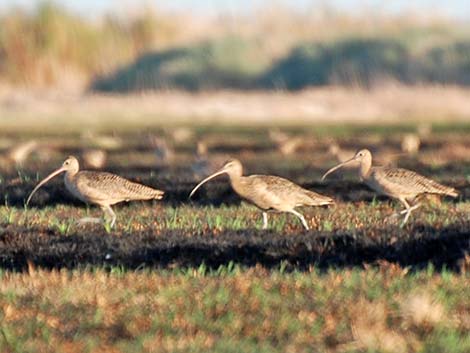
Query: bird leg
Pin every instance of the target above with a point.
(407, 210)
(302, 219)
(265, 220)
(109, 212)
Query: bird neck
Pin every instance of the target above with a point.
(70, 174)
(238, 183)
(234, 178)
(365, 167)
(235, 172)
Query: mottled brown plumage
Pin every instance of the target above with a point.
(101, 188)
(397, 182)
(269, 192)
(402, 184)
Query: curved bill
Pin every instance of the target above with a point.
(43, 181)
(337, 167)
(222, 171)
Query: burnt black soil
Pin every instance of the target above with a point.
(47, 249)
(416, 245)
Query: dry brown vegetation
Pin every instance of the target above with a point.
(383, 310)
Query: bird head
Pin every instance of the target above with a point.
(69, 165)
(232, 167)
(360, 156)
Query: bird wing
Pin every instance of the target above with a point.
(398, 181)
(106, 186)
(268, 191)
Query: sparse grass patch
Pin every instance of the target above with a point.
(140, 310)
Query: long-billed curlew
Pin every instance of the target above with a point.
(285, 143)
(402, 184)
(100, 188)
(201, 164)
(20, 152)
(163, 150)
(205, 162)
(94, 158)
(339, 153)
(410, 143)
(15, 156)
(268, 193)
(180, 135)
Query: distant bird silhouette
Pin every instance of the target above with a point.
(285, 143)
(94, 158)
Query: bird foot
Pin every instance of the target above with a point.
(405, 212)
(412, 208)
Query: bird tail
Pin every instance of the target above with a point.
(320, 200)
(157, 194)
(143, 192)
(445, 190)
(452, 192)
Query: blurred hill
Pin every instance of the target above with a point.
(231, 63)
(275, 49)
(228, 63)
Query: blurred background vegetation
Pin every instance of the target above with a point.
(276, 48)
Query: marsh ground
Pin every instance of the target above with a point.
(201, 274)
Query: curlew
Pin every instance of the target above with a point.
(162, 149)
(339, 153)
(204, 162)
(268, 193)
(410, 143)
(94, 158)
(100, 188)
(16, 155)
(401, 184)
(181, 135)
(107, 142)
(201, 165)
(20, 152)
(285, 143)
